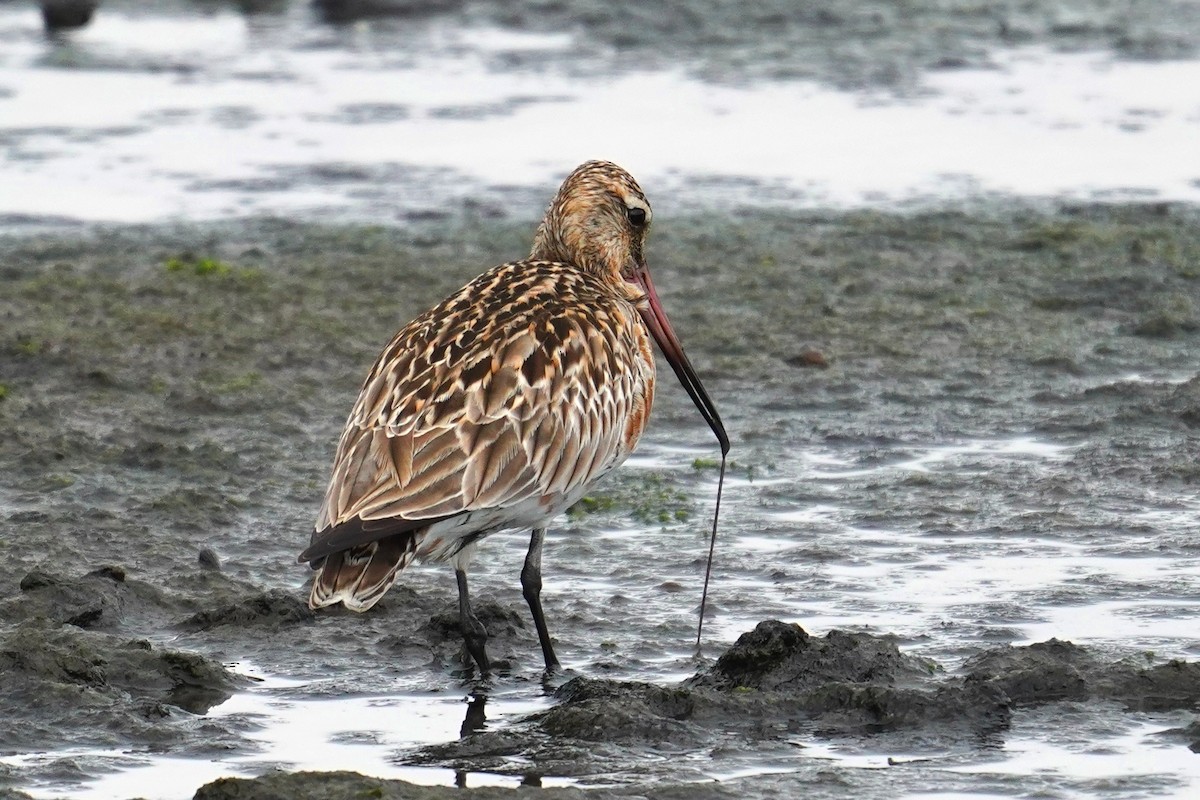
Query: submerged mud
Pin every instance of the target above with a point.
(170, 396)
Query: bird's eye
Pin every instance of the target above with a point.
(637, 216)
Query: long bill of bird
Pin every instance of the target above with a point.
(660, 328)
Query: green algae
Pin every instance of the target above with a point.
(651, 499)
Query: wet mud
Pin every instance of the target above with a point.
(170, 396)
(772, 683)
(777, 681)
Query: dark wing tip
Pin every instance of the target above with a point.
(358, 531)
(307, 558)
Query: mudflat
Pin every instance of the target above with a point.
(170, 396)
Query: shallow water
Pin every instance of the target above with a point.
(288, 731)
(942, 592)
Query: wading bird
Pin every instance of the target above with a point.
(502, 405)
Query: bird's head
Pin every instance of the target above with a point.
(598, 220)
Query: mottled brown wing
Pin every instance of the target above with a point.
(513, 391)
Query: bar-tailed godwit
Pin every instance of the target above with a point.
(502, 405)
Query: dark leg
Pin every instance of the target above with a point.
(474, 634)
(531, 586)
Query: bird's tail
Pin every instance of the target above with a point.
(359, 576)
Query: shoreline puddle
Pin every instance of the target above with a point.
(291, 729)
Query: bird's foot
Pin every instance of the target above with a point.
(471, 669)
(555, 676)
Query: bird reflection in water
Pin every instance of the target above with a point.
(476, 720)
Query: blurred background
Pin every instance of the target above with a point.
(392, 109)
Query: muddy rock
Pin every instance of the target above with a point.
(845, 680)
(617, 711)
(850, 709)
(1190, 734)
(1175, 684)
(12, 794)
(1040, 673)
(64, 684)
(1184, 402)
(779, 656)
(1050, 671)
(779, 678)
(207, 558)
(759, 687)
(99, 600)
(271, 609)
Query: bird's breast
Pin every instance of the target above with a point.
(643, 390)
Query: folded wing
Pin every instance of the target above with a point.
(516, 390)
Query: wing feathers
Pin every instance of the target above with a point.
(360, 575)
(501, 390)
(486, 469)
(518, 388)
(357, 532)
(401, 448)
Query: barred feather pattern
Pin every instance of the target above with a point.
(499, 407)
(361, 575)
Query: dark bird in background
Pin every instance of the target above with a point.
(59, 15)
